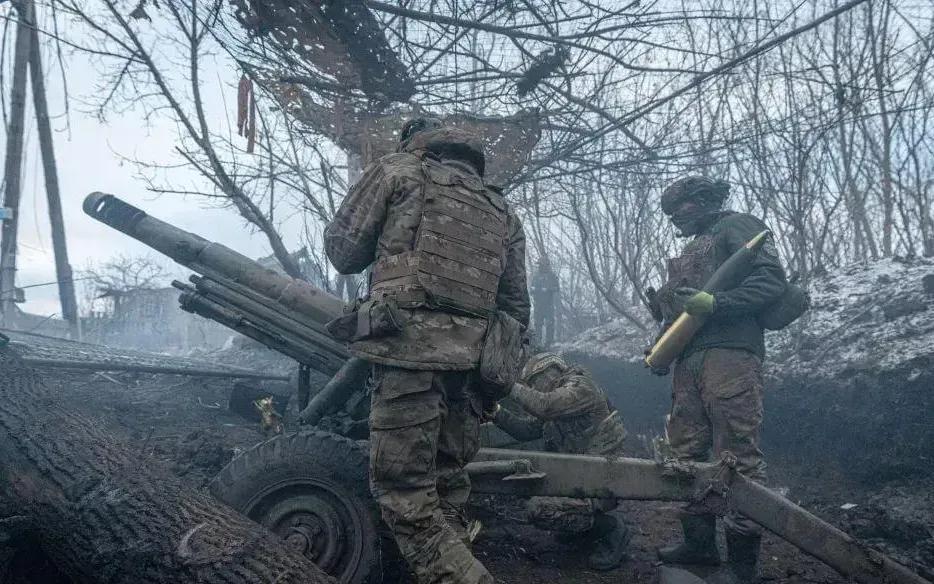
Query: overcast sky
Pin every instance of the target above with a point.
(87, 161)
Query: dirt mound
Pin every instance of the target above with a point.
(871, 318)
(850, 383)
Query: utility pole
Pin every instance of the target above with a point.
(14, 163)
(28, 56)
(66, 285)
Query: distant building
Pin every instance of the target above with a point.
(36, 323)
(151, 320)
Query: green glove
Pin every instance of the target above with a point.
(697, 302)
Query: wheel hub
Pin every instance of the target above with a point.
(314, 520)
(308, 536)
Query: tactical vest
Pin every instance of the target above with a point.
(692, 269)
(460, 247)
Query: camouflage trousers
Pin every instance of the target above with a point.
(717, 405)
(424, 428)
(565, 514)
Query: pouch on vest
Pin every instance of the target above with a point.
(793, 302)
(503, 353)
(370, 319)
(459, 252)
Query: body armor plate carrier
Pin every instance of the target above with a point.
(460, 247)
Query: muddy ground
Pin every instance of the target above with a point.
(185, 423)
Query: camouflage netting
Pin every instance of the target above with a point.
(327, 52)
(508, 141)
(342, 40)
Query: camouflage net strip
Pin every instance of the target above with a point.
(42, 350)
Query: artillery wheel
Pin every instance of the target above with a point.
(311, 489)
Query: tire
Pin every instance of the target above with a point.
(311, 488)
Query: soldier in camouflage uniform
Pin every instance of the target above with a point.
(717, 387)
(445, 251)
(573, 416)
(545, 290)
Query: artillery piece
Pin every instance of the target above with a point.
(310, 487)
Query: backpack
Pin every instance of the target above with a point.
(793, 302)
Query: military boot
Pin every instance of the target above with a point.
(700, 542)
(612, 545)
(742, 559)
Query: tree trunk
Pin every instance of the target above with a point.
(102, 517)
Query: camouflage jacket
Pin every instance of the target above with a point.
(733, 325)
(380, 217)
(574, 417)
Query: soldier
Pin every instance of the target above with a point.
(717, 386)
(545, 289)
(573, 416)
(445, 252)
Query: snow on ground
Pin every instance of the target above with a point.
(617, 340)
(868, 316)
(872, 316)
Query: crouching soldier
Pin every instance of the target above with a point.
(573, 416)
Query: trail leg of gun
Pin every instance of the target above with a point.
(815, 536)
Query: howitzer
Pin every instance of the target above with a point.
(683, 329)
(285, 314)
(310, 486)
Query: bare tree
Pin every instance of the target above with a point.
(817, 111)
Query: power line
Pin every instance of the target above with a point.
(49, 284)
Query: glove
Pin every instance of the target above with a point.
(696, 302)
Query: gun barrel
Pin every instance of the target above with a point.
(328, 355)
(213, 259)
(283, 313)
(283, 340)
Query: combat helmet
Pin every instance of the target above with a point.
(416, 125)
(707, 191)
(540, 362)
(430, 135)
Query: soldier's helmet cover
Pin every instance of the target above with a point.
(706, 191)
(540, 362)
(445, 142)
(416, 125)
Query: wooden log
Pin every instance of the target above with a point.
(103, 516)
